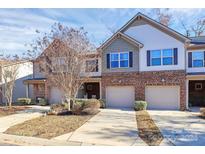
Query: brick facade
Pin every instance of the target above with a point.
(143, 79)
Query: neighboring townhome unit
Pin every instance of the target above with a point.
(42, 87)
(145, 60)
(23, 69)
(195, 67)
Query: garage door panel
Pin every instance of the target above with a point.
(120, 96)
(55, 95)
(162, 97)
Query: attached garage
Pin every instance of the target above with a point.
(55, 96)
(163, 97)
(120, 96)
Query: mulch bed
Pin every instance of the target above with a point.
(148, 130)
(49, 126)
(4, 111)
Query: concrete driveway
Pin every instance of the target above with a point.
(181, 128)
(109, 127)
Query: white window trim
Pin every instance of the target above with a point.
(197, 59)
(161, 57)
(118, 60)
(197, 84)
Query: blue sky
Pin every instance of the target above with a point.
(18, 26)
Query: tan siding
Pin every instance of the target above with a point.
(120, 45)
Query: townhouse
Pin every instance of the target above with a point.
(25, 71)
(143, 60)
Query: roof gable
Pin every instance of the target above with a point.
(124, 37)
(140, 19)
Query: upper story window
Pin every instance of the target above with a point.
(119, 60)
(91, 65)
(198, 59)
(162, 57)
(59, 64)
(155, 57)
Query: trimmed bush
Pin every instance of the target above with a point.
(102, 103)
(59, 109)
(91, 103)
(90, 111)
(24, 101)
(202, 112)
(140, 105)
(33, 102)
(42, 101)
(80, 102)
(77, 109)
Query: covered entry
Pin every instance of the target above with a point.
(196, 93)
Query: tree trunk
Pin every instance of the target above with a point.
(68, 100)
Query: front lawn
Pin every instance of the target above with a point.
(5, 111)
(49, 126)
(148, 130)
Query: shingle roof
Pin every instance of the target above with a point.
(198, 40)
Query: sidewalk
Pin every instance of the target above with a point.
(33, 141)
(11, 120)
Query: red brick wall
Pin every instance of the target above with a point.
(143, 79)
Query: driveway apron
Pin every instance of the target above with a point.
(109, 127)
(181, 128)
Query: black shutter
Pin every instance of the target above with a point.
(96, 65)
(131, 59)
(189, 59)
(175, 56)
(204, 58)
(148, 57)
(108, 60)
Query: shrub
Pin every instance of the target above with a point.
(102, 103)
(140, 105)
(77, 109)
(89, 111)
(80, 102)
(24, 101)
(42, 101)
(91, 103)
(202, 112)
(59, 109)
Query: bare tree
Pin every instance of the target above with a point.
(163, 16)
(9, 74)
(196, 29)
(63, 58)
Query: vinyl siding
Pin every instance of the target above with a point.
(120, 45)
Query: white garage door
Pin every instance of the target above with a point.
(120, 96)
(162, 97)
(55, 96)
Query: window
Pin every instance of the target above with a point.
(60, 64)
(168, 56)
(197, 59)
(119, 60)
(156, 57)
(198, 86)
(162, 57)
(91, 65)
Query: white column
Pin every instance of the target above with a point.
(27, 90)
(100, 90)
